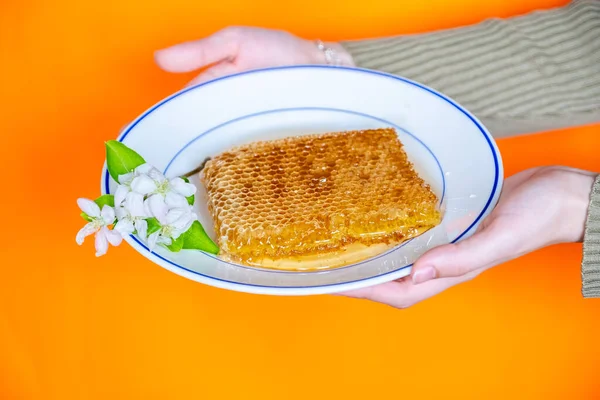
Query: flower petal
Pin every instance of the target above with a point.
(113, 237)
(87, 230)
(176, 232)
(180, 219)
(124, 227)
(120, 194)
(158, 208)
(125, 179)
(108, 214)
(152, 240)
(143, 184)
(156, 175)
(101, 243)
(147, 208)
(174, 214)
(183, 223)
(182, 187)
(134, 204)
(89, 207)
(143, 169)
(175, 200)
(121, 213)
(141, 226)
(188, 225)
(152, 172)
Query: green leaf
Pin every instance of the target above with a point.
(190, 199)
(104, 200)
(177, 244)
(196, 238)
(120, 159)
(153, 225)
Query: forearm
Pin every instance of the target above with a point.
(530, 73)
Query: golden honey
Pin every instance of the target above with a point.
(316, 201)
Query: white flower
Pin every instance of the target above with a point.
(174, 221)
(146, 180)
(123, 187)
(99, 225)
(124, 182)
(146, 192)
(134, 204)
(150, 181)
(120, 194)
(132, 216)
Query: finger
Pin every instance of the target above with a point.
(221, 69)
(520, 177)
(485, 248)
(403, 293)
(189, 56)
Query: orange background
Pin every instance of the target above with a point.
(73, 72)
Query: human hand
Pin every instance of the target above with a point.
(538, 207)
(237, 49)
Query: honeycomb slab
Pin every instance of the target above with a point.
(317, 201)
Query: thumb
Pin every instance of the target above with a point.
(193, 55)
(486, 247)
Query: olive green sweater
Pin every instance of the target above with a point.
(525, 74)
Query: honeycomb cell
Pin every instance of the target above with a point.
(316, 194)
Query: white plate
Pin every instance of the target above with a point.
(449, 147)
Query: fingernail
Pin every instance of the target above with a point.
(423, 275)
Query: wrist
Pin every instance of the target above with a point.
(577, 187)
(330, 53)
(343, 54)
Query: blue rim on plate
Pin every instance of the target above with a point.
(483, 131)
